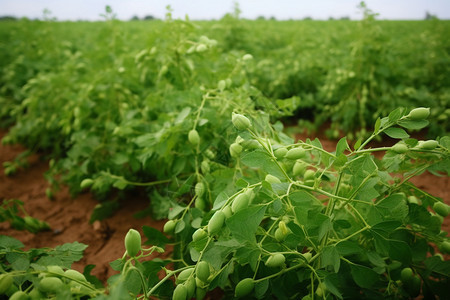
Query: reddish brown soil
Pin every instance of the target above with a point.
(69, 218)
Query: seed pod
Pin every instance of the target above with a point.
(295, 153)
(203, 271)
(307, 256)
(235, 150)
(419, 113)
(406, 274)
(280, 152)
(279, 236)
(209, 154)
(86, 183)
(283, 227)
(190, 287)
(428, 145)
(50, 284)
(199, 189)
(200, 293)
(199, 234)
(227, 211)
(276, 260)
(309, 175)
(19, 295)
(247, 57)
(216, 222)
(184, 275)
(299, 168)
(272, 179)
(400, 148)
(239, 121)
(200, 203)
(244, 287)
(441, 209)
(205, 166)
(201, 48)
(221, 85)
(169, 226)
(75, 275)
(240, 202)
(193, 137)
(180, 292)
(55, 271)
(133, 242)
(6, 282)
(445, 247)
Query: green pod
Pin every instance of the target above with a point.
(133, 242)
(244, 287)
(199, 234)
(19, 295)
(428, 145)
(199, 189)
(75, 275)
(235, 150)
(276, 260)
(239, 121)
(400, 148)
(419, 113)
(193, 137)
(240, 202)
(169, 226)
(216, 222)
(85, 183)
(6, 282)
(280, 152)
(441, 209)
(184, 275)
(309, 175)
(50, 285)
(202, 271)
(299, 168)
(295, 153)
(180, 292)
(272, 179)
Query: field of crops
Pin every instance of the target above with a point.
(200, 117)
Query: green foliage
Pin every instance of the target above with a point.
(188, 112)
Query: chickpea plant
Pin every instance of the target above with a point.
(291, 221)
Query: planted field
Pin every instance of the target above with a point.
(177, 152)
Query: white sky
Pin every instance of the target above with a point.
(215, 9)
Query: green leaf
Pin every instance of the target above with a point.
(341, 146)
(363, 276)
(377, 125)
(413, 124)
(330, 257)
(332, 283)
(261, 159)
(395, 115)
(348, 248)
(154, 236)
(396, 133)
(18, 261)
(435, 264)
(244, 223)
(91, 278)
(10, 243)
(399, 250)
(182, 115)
(261, 288)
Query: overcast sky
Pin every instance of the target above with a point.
(215, 9)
